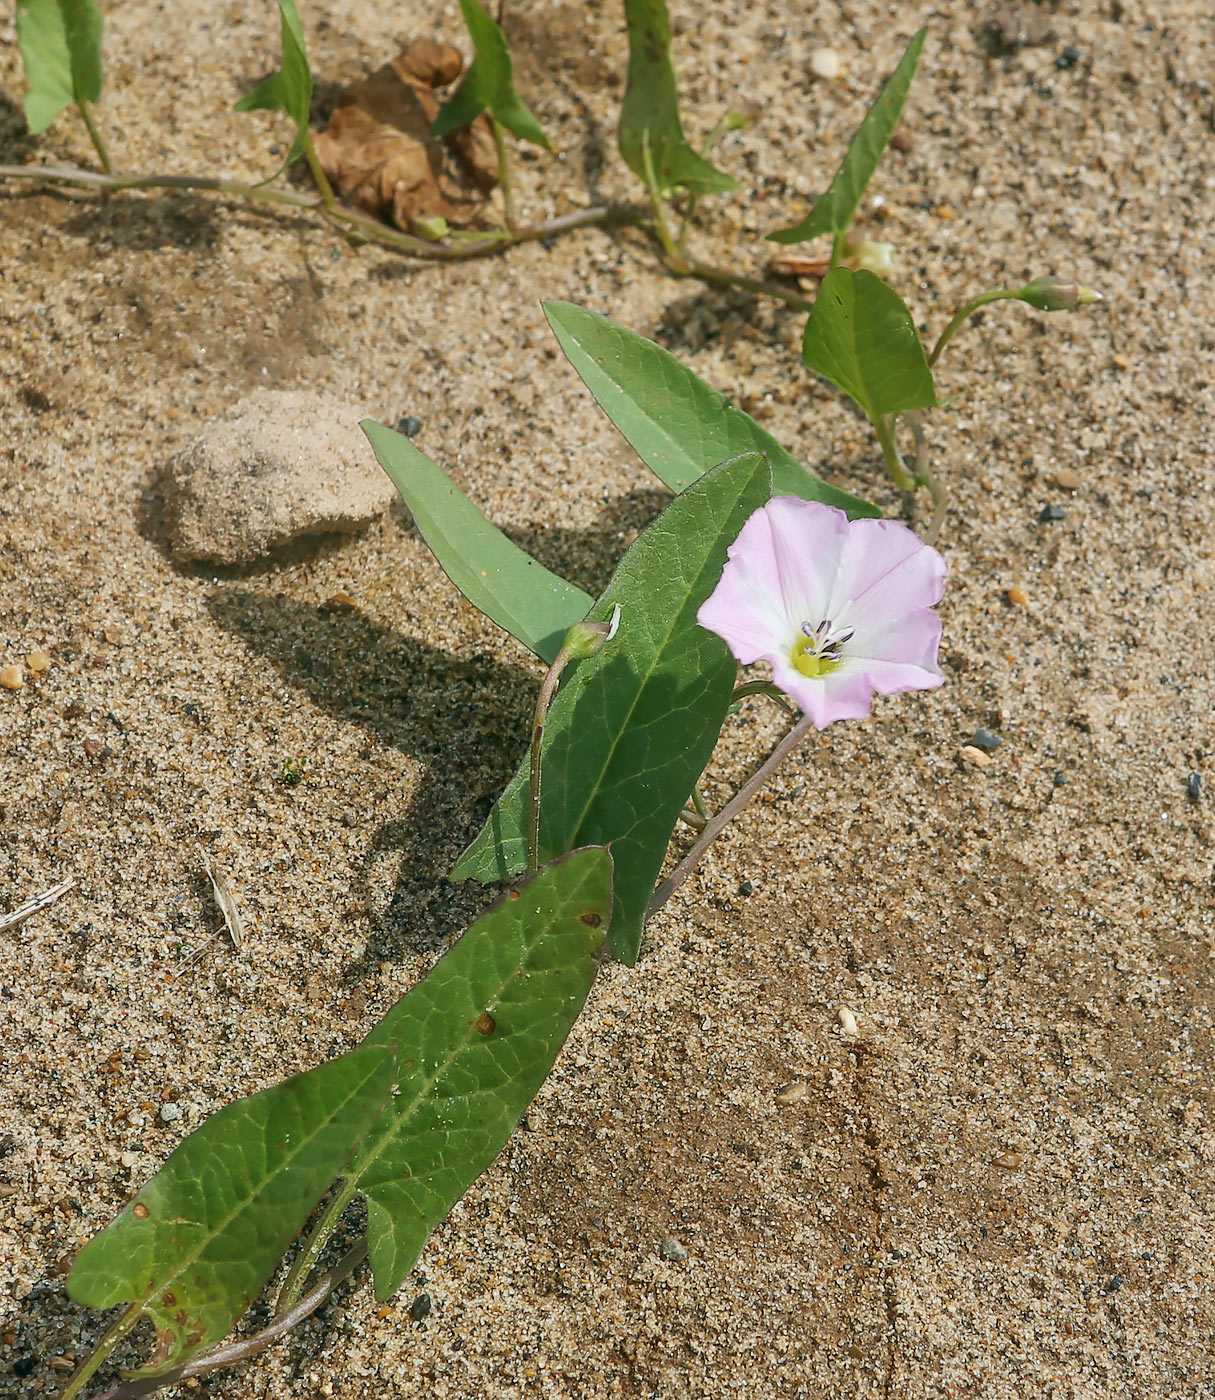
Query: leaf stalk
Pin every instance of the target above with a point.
(90, 121)
(717, 824)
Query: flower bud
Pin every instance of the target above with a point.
(1057, 294)
(875, 257)
(586, 639)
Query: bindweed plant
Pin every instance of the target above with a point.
(755, 560)
(860, 336)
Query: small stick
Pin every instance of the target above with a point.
(32, 906)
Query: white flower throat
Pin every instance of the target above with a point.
(819, 650)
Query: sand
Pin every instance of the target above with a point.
(1002, 1185)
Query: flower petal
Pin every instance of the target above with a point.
(844, 694)
(911, 640)
(886, 570)
(745, 608)
(809, 540)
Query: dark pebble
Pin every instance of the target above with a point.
(549, 243)
(409, 425)
(746, 887)
(1114, 1284)
(420, 1307)
(1193, 787)
(1060, 778)
(1049, 513)
(24, 1365)
(1068, 58)
(985, 739)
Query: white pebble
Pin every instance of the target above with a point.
(825, 64)
(848, 1023)
(169, 1113)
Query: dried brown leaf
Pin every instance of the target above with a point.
(381, 157)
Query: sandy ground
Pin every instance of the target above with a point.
(1003, 1187)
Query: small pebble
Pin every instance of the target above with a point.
(985, 739)
(113, 635)
(38, 662)
(1060, 778)
(1009, 1161)
(1017, 597)
(169, 1113)
(409, 425)
(847, 1020)
(1066, 479)
(974, 756)
(420, 1307)
(25, 1366)
(11, 677)
(825, 64)
(63, 1363)
(1068, 58)
(671, 1249)
(1193, 787)
(129, 1159)
(1051, 513)
(746, 888)
(795, 1093)
(1120, 361)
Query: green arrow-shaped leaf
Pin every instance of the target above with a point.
(834, 210)
(678, 425)
(60, 44)
(289, 89)
(631, 731)
(475, 1040)
(489, 83)
(203, 1236)
(861, 337)
(651, 137)
(493, 573)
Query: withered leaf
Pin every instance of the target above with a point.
(379, 152)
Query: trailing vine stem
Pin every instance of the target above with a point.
(231, 1353)
(373, 230)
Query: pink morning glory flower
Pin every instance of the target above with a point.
(839, 608)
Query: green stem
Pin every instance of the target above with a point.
(723, 277)
(884, 428)
(293, 1285)
(837, 248)
(231, 1353)
(94, 130)
(662, 223)
(504, 181)
(609, 215)
(727, 814)
(758, 688)
(924, 477)
(124, 1324)
(548, 688)
(328, 198)
(706, 151)
(66, 174)
(996, 294)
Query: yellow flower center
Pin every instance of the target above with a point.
(807, 659)
(818, 650)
